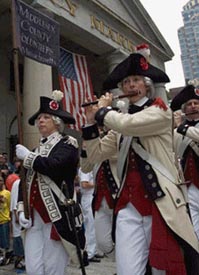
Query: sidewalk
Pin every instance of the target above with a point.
(105, 267)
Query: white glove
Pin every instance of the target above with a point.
(21, 151)
(25, 223)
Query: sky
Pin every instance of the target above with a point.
(168, 18)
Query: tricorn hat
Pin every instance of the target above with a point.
(53, 107)
(187, 93)
(134, 64)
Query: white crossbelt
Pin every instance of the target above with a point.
(188, 141)
(153, 161)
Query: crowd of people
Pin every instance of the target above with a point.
(136, 180)
(11, 243)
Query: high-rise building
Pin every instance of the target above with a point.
(188, 36)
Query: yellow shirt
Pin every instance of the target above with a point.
(4, 206)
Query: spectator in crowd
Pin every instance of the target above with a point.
(16, 165)
(152, 222)
(87, 189)
(4, 222)
(8, 163)
(3, 167)
(12, 184)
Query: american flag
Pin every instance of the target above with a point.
(75, 83)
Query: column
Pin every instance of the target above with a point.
(113, 59)
(37, 82)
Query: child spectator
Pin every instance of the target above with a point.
(12, 184)
(4, 222)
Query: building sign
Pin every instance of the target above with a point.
(115, 36)
(38, 35)
(97, 24)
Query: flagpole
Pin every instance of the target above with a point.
(18, 100)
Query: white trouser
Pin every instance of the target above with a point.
(103, 227)
(89, 224)
(133, 236)
(193, 195)
(43, 256)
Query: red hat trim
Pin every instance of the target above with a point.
(53, 105)
(196, 92)
(142, 46)
(143, 64)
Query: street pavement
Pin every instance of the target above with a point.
(105, 267)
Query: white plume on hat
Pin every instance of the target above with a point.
(194, 82)
(144, 50)
(57, 95)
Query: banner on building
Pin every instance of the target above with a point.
(75, 83)
(37, 35)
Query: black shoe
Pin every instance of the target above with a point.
(2, 260)
(85, 258)
(20, 264)
(99, 256)
(9, 257)
(94, 260)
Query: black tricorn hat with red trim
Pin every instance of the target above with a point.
(134, 64)
(187, 93)
(52, 106)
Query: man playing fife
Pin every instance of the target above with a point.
(152, 222)
(186, 108)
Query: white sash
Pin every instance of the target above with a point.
(153, 161)
(44, 186)
(188, 141)
(127, 142)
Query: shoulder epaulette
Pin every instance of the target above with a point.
(160, 103)
(71, 140)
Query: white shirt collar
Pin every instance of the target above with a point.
(141, 101)
(50, 137)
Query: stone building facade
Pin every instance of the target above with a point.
(105, 31)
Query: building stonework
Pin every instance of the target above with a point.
(104, 31)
